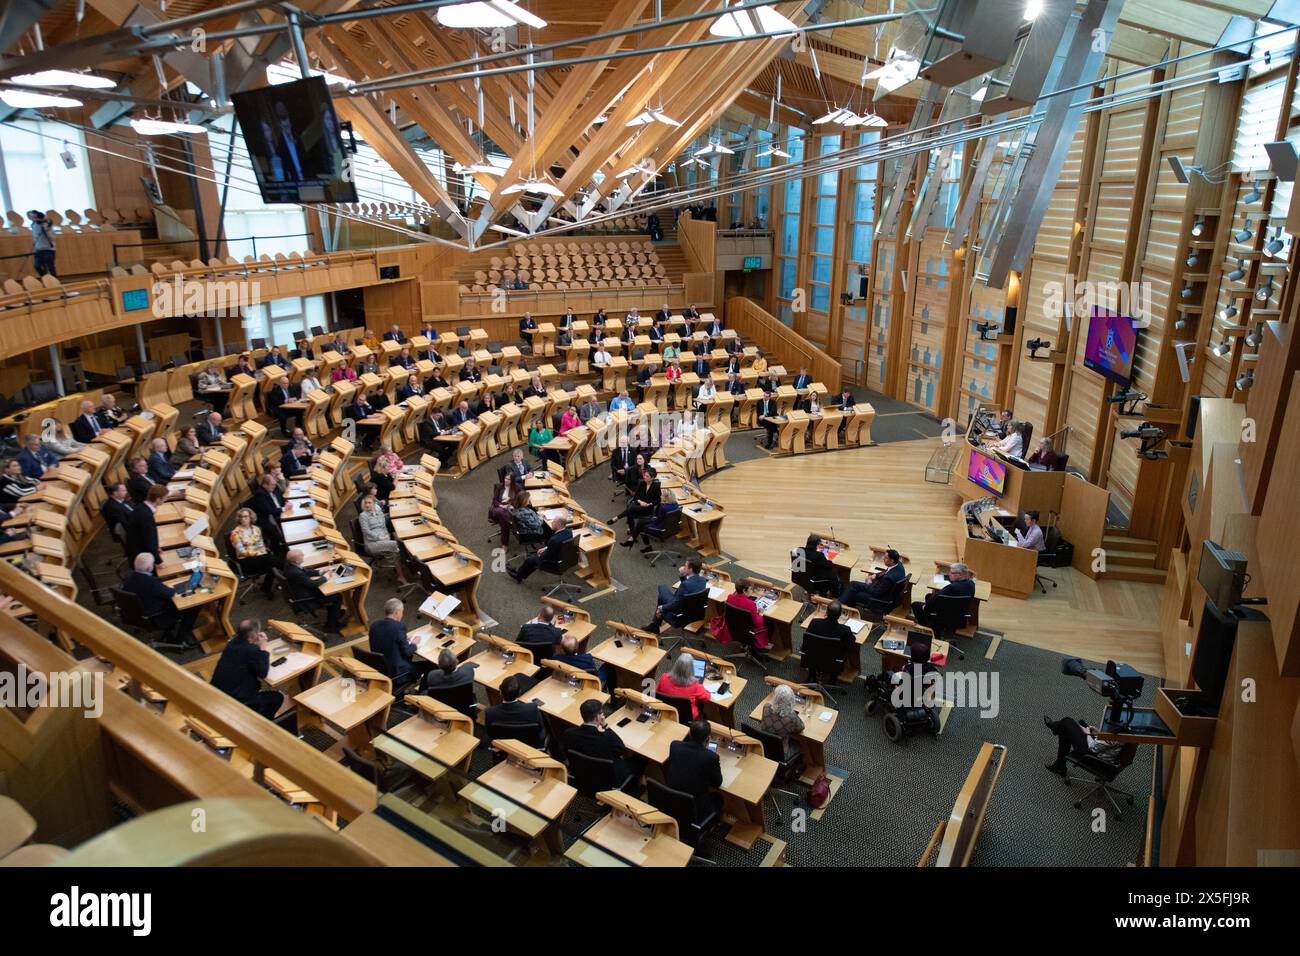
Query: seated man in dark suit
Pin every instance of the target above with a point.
(449, 673)
(674, 606)
(294, 460)
(395, 334)
(273, 357)
(879, 584)
(561, 534)
(569, 654)
(34, 459)
(402, 358)
(593, 738)
(117, 508)
(157, 599)
(430, 429)
(304, 584)
(358, 411)
(211, 430)
(243, 663)
(268, 504)
(512, 710)
(388, 637)
(86, 426)
(695, 769)
(961, 583)
(767, 409)
(460, 415)
(540, 635)
(830, 626)
(160, 463)
(470, 372)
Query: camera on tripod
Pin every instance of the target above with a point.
(1118, 683)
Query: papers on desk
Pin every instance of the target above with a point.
(183, 475)
(192, 565)
(440, 609)
(192, 531)
(826, 716)
(712, 687)
(717, 594)
(940, 581)
(764, 604)
(855, 624)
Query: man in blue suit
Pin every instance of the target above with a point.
(673, 606)
(160, 463)
(34, 459)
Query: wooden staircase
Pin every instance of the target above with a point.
(1131, 559)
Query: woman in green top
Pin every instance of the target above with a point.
(671, 351)
(537, 437)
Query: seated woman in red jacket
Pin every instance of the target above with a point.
(679, 681)
(1044, 454)
(744, 602)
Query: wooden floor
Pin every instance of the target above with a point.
(879, 496)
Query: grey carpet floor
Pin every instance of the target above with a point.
(892, 795)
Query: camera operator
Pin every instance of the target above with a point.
(42, 243)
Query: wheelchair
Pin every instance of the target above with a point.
(900, 722)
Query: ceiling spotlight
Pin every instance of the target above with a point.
(747, 23)
(1198, 227)
(1276, 244)
(1222, 348)
(1228, 312)
(1264, 291)
(86, 81)
(1254, 337)
(1187, 291)
(487, 15)
(1243, 234)
(1191, 258)
(1180, 323)
(156, 127)
(1245, 380)
(1239, 273)
(1032, 9)
(23, 100)
(1254, 194)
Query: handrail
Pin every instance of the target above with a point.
(697, 238)
(337, 787)
(756, 324)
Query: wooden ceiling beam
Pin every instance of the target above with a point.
(577, 86)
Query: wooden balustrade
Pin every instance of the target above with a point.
(759, 327)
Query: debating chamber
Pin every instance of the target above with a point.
(652, 433)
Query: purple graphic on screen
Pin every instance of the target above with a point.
(1111, 341)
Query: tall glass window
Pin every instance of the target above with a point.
(788, 250)
(822, 253)
(36, 176)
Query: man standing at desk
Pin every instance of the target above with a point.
(244, 662)
(157, 600)
(304, 585)
(672, 606)
(142, 532)
(1032, 537)
(388, 637)
(961, 583)
(879, 584)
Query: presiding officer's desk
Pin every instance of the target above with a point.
(1025, 489)
(1007, 567)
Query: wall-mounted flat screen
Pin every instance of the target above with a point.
(295, 142)
(989, 473)
(752, 262)
(1111, 341)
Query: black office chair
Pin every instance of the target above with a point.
(692, 829)
(564, 562)
(686, 622)
(1056, 553)
(386, 779)
(823, 586)
(532, 734)
(376, 661)
(788, 760)
(875, 609)
(1061, 462)
(740, 625)
(244, 582)
(304, 608)
(317, 330)
(258, 344)
(665, 526)
(591, 775)
(100, 595)
(947, 616)
(132, 615)
(1101, 774)
(823, 658)
(682, 705)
